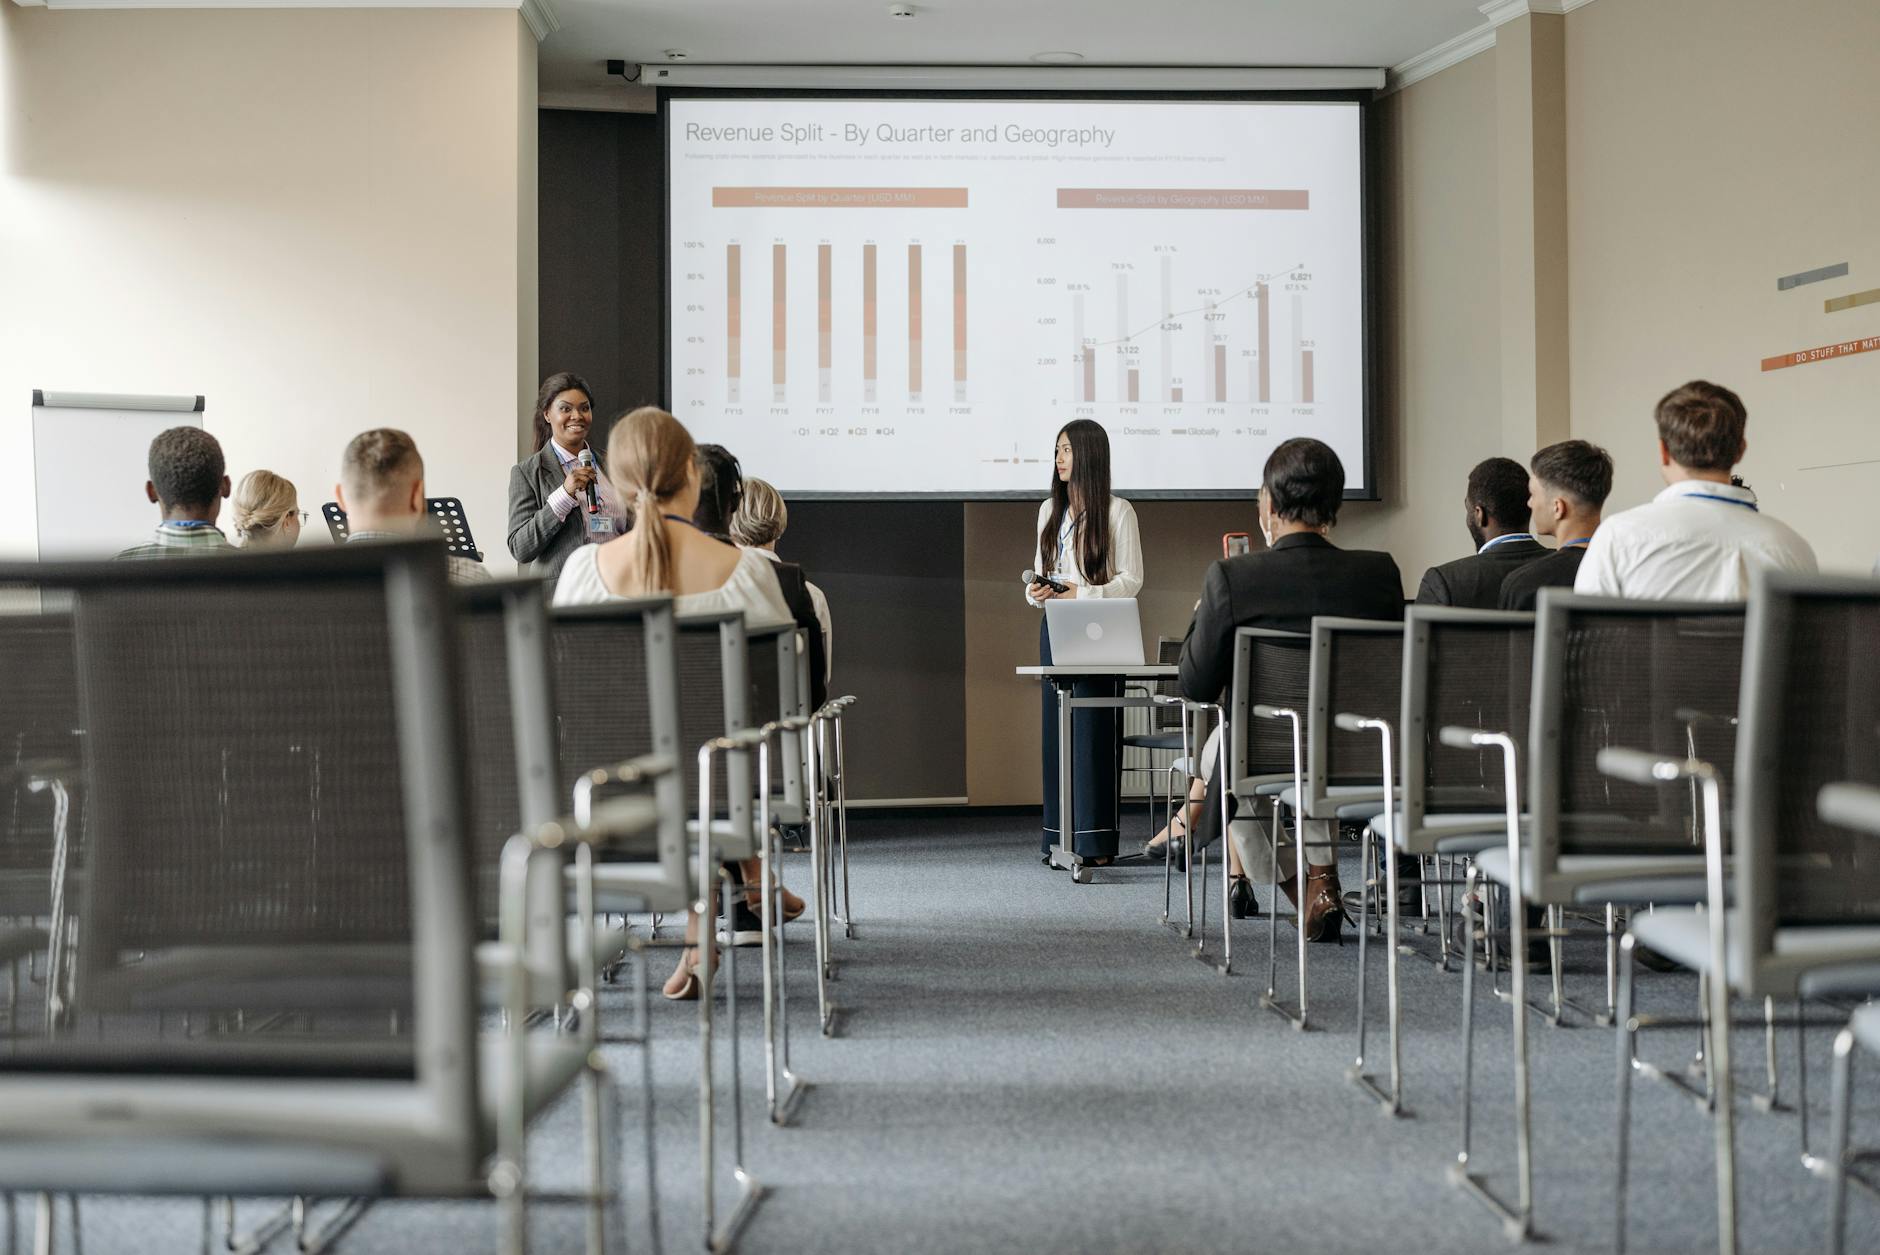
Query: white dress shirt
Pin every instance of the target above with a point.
(1125, 553)
(1695, 541)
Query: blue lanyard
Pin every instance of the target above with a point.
(188, 524)
(1707, 496)
(1510, 536)
(1584, 540)
(1064, 535)
(680, 518)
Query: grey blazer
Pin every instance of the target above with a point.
(537, 539)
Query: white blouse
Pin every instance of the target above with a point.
(1125, 553)
(751, 588)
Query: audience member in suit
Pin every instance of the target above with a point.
(654, 467)
(760, 522)
(187, 483)
(381, 488)
(1567, 485)
(1704, 537)
(1495, 510)
(267, 511)
(1298, 575)
(548, 518)
(721, 494)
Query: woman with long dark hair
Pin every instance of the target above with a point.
(1087, 542)
(548, 514)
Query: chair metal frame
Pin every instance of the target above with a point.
(429, 1131)
(1854, 806)
(1237, 775)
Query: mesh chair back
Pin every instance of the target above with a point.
(273, 776)
(1273, 669)
(1356, 668)
(509, 735)
(1811, 716)
(615, 668)
(39, 737)
(1470, 669)
(1658, 676)
(773, 653)
(715, 698)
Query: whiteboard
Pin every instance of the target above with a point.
(91, 456)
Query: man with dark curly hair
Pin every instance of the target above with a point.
(188, 481)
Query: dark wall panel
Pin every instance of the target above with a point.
(893, 571)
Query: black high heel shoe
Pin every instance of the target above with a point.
(1241, 903)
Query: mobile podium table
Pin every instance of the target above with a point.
(1061, 679)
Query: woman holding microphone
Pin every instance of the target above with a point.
(1088, 543)
(548, 490)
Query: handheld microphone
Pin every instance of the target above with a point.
(593, 497)
(1032, 577)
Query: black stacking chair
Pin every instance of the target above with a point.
(1166, 730)
(1857, 808)
(1607, 672)
(1266, 708)
(272, 990)
(1467, 667)
(41, 798)
(1803, 893)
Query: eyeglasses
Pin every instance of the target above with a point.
(304, 516)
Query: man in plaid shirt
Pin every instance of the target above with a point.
(188, 480)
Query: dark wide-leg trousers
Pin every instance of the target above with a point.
(1096, 764)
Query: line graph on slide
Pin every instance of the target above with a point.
(1197, 342)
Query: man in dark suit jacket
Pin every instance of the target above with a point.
(1496, 512)
(1567, 487)
(1300, 574)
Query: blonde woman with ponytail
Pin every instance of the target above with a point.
(267, 511)
(652, 464)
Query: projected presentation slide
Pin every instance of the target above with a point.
(874, 296)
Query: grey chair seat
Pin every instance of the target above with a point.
(1828, 954)
(552, 1062)
(1155, 740)
(727, 841)
(1590, 879)
(1338, 798)
(1462, 833)
(1866, 1026)
(1848, 980)
(544, 984)
(626, 888)
(190, 1165)
(17, 943)
(257, 978)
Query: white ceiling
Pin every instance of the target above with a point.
(995, 32)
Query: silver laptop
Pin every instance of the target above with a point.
(1094, 632)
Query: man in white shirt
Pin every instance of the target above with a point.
(1704, 537)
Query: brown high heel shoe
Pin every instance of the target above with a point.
(1324, 909)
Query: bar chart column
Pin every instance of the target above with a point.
(1265, 361)
(823, 322)
(1123, 342)
(959, 322)
(868, 323)
(1301, 389)
(1084, 360)
(779, 319)
(734, 341)
(913, 322)
(1167, 312)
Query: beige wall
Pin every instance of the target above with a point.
(322, 220)
(1714, 145)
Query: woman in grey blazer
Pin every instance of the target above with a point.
(548, 489)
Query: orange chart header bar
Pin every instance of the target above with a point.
(1804, 356)
(838, 198)
(1181, 198)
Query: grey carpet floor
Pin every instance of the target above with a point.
(1029, 1065)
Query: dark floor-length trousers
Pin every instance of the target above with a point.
(1096, 761)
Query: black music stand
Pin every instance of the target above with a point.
(446, 512)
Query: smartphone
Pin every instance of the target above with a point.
(1233, 544)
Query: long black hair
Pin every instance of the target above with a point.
(720, 490)
(1090, 486)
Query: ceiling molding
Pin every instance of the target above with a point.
(539, 14)
(1470, 42)
(1181, 78)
